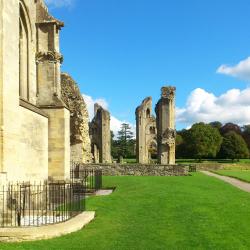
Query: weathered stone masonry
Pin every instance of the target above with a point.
(165, 119)
(1, 91)
(34, 120)
(100, 135)
(146, 132)
(80, 148)
(139, 169)
(156, 134)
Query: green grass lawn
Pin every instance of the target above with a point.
(243, 175)
(144, 213)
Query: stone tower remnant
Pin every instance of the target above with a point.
(100, 135)
(146, 134)
(165, 119)
(80, 148)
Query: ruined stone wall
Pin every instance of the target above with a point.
(100, 135)
(146, 140)
(139, 169)
(79, 120)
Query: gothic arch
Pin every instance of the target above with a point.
(24, 47)
(152, 148)
(23, 7)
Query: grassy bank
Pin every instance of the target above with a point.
(144, 213)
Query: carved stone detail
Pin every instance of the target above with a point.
(51, 56)
(168, 92)
(169, 136)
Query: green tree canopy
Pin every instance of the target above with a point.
(216, 124)
(233, 147)
(230, 127)
(203, 141)
(124, 145)
(125, 133)
(246, 135)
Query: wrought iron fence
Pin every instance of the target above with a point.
(40, 204)
(91, 179)
(25, 204)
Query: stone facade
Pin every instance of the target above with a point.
(156, 134)
(100, 135)
(166, 134)
(34, 120)
(146, 132)
(80, 148)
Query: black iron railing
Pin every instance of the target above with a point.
(26, 204)
(91, 179)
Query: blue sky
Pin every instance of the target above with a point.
(121, 51)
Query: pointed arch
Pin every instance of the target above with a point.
(24, 47)
(23, 7)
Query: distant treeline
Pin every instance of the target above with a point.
(213, 140)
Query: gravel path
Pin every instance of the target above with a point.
(233, 181)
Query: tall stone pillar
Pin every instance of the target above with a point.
(165, 119)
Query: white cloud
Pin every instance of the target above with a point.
(201, 106)
(115, 124)
(90, 102)
(240, 70)
(60, 3)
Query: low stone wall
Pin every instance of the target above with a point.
(139, 170)
(220, 166)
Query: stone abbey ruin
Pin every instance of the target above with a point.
(44, 122)
(156, 135)
(100, 135)
(45, 132)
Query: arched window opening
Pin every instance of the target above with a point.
(148, 113)
(152, 150)
(152, 130)
(23, 56)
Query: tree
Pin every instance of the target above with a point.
(246, 135)
(180, 144)
(246, 128)
(233, 147)
(125, 141)
(230, 127)
(203, 141)
(216, 124)
(114, 146)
